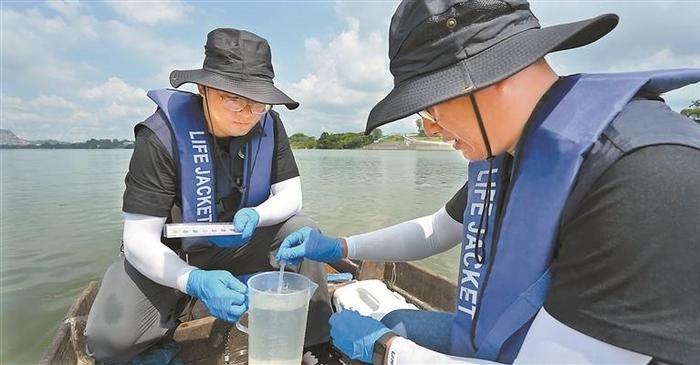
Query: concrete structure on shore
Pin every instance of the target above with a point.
(417, 144)
(411, 143)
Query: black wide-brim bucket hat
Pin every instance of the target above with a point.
(442, 49)
(238, 62)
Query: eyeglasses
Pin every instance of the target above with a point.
(237, 104)
(426, 115)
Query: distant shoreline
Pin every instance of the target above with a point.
(411, 143)
(367, 148)
(30, 147)
(339, 141)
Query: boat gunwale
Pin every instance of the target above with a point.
(427, 290)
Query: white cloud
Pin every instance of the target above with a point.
(110, 107)
(25, 116)
(39, 103)
(83, 117)
(645, 29)
(40, 46)
(114, 89)
(16, 116)
(164, 55)
(56, 82)
(663, 58)
(375, 16)
(66, 8)
(47, 81)
(69, 26)
(151, 12)
(351, 70)
(650, 35)
(117, 99)
(53, 101)
(360, 61)
(32, 43)
(350, 74)
(128, 112)
(666, 58)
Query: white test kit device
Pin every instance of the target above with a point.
(179, 230)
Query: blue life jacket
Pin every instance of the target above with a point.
(180, 126)
(498, 298)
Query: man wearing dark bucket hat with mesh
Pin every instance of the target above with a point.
(221, 155)
(579, 220)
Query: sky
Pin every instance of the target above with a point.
(77, 70)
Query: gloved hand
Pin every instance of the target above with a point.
(355, 334)
(309, 243)
(245, 222)
(224, 296)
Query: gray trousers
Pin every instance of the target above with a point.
(131, 313)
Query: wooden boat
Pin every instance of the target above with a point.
(202, 339)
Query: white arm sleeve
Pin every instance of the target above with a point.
(551, 342)
(548, 342)
(153, 259)
(284, 202)
(403, 351)
(412, 240)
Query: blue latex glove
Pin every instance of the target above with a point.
(311, 244)
(245, 222)
(355, 334)
(222, 294)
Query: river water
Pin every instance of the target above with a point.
(60, 222)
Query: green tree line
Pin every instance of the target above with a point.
(693, 110)
(334, 141)
(91, 144)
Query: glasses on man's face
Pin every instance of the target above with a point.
(236, 105)
(426, 115)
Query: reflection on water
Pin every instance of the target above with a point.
(350, 192)
(60, 222)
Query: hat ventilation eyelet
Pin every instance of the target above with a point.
(451, 23)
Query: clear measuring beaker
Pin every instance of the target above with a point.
(277, 320)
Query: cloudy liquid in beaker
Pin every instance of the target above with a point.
(277, 328)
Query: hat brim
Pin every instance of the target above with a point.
(257, 90)
(485, 68)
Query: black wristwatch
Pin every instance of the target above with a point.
(380, 348)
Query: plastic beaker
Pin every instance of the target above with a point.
(277, 320)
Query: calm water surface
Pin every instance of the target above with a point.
(60, 222)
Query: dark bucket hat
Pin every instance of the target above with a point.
(238, 62)
(441, 49)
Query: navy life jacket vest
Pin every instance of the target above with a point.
(180, 126)
(498, 298)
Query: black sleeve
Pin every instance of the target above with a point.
(151, 183)
(455, 207)
(284, 166)
(627, 270)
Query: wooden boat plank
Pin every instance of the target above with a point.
(346, 265)
(62, 348)
(81, 306)
(371, 270)
(424, 288)
(202, 340)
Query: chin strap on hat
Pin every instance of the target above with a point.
(480, 249)
(216, 152)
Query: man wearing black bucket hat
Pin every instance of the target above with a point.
(578, 222)
(221, 155)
